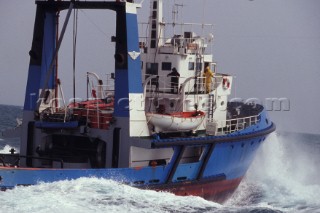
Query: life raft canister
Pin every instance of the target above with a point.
(225, 83)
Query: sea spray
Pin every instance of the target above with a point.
(6, 149)
(278, 176)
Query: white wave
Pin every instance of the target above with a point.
(97, 195)
(6, 149)
(280, 178)
(277, 181)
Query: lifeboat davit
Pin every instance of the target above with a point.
(177, 121)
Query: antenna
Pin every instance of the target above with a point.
(203, 11)
(175, 12)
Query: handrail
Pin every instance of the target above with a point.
(163, 143)
(163, 86)
(148, 81)
(191, 88)
(233, 125)
(199, 28)
(32, 157)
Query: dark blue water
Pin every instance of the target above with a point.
(283, 178)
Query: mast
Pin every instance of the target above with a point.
(156, 33)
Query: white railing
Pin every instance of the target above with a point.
(163, 84)
(98, 88)
(194, 85)
(231, 125)
(160, 83)
(194, 37)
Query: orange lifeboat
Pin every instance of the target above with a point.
(98, 112)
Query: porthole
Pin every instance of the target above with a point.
(138, 182)
(154, 181)
(222, 103)
(181, 178)
(119, 58)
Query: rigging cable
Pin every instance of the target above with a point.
(50, 70)
(93, 23)
(75, 31)
(57, 62)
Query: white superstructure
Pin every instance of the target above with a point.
(186, 51)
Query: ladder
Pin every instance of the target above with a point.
(211, 108)
(211, 128)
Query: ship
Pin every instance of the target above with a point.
(161, 121)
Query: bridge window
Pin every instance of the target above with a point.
(154, 14)
(152, 68)
(155, 5)
(191, 66)
(166, 66)
(154, 24)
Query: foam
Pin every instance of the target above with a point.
(278, 178)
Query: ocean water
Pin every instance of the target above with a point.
(284, 177)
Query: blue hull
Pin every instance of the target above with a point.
(225, 167)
